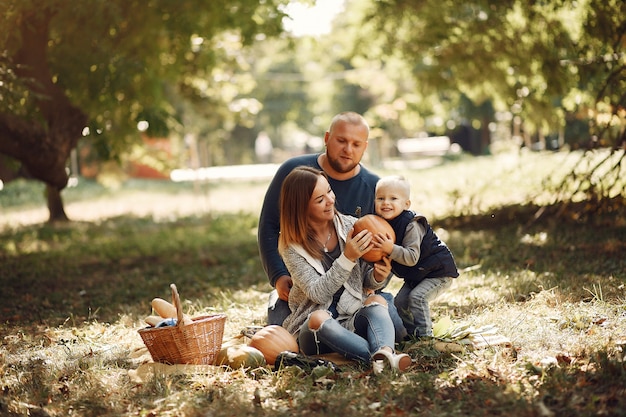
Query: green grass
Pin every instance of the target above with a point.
(74, 296)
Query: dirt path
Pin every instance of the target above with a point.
(206, 198)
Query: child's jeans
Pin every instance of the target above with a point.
(413, 304)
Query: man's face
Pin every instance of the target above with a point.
(345, 145)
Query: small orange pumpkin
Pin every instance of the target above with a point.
(273, 339)
(375, 224)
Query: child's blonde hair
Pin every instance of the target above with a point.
(395, 181)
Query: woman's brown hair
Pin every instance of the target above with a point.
(295, 195)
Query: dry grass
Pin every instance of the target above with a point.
(75, 296)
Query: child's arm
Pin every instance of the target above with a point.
(409, 253)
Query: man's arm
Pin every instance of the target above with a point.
(269, 228)
(269, 220)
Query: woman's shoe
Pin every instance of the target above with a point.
(398, 361)
(402, 361)
(383, 356)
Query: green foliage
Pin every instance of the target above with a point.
(21, 193)
(537, 60)
(122, 61)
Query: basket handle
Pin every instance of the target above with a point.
(177, 304)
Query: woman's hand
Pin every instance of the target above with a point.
(357, 245)
(382, 269)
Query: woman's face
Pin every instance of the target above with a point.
(322, 202)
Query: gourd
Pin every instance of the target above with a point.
(375, 224)
(241, 356)
(168, 310)
(153, 320)
(272, 340)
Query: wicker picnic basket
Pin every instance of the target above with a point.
(197, 343)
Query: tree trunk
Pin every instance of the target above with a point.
(42, 143)
(55, 205)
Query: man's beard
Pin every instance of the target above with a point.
(336, 165)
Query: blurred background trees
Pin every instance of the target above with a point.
(192, 83)
(544, 63)
(104, 71)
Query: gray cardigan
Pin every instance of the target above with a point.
(313, 289)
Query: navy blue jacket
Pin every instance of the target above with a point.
(435, 261)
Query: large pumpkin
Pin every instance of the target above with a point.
(273, 339)
(375, 224)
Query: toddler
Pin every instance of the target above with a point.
(417, 256)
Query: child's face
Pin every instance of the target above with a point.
(390, 202)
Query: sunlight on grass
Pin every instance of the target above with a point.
(469, 185)
(86, 365)
(75, 296)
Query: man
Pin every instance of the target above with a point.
(354, 187)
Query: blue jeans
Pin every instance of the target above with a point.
(413, 304)
(398, 325)
(278, 310)
(373, 330)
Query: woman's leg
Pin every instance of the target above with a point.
(395, 317)
(419, 299)
(374, 323)
(321, 334)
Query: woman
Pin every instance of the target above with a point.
(330, 302)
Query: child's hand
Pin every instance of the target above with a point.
(383, 242)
